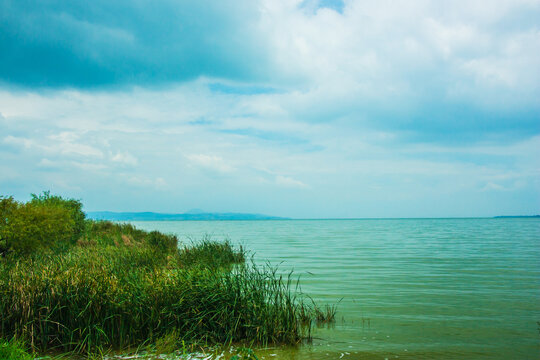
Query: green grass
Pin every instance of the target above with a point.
(13, 350)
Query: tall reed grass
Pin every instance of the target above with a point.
(121, 287)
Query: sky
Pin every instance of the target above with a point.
(303, 109)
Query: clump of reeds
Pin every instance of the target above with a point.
(324, 315)
(309, 313)
(209, 253)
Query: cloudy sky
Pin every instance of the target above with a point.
(315, 108)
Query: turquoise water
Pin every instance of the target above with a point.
(408, 289)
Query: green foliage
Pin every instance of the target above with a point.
(7, 206)
(44, 222)
(29, 227)
(74, 207)
(13, 350)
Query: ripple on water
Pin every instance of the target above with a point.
(409, 288)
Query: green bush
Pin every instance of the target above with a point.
(7, 206)
(44, 222)
(74, 207)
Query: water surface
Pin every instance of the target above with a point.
(408, 288)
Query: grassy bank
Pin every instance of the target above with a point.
(98, 285)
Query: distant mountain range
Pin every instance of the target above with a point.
(191, 215)
(197, 214)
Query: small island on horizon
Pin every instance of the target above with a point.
(516, 216)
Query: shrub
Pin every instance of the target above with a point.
(44, 222)
(74, 207)
(7, 206)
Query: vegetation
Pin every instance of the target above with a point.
(71, 284)
(13, 350)
(44, 222)
(206, 253)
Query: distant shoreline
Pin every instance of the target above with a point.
(516, 216)
(152, 216)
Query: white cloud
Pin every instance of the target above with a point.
(125, 158)
(327, 160)
(48, 164)
(88, 166)
(382, 49)
(55, 145)
(145, 182)
(289, 182)
(18, 141)
(211, 162)
(69, 148)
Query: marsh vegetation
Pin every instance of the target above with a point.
(70, 284)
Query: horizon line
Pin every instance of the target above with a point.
(276, 217)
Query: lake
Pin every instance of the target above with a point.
(407, 288)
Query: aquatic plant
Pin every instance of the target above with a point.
(206, 252)
(324, 315)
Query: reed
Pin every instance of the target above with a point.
(206, 252)
(324, 315)
(121, 295)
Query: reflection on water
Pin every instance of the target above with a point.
(413, 289)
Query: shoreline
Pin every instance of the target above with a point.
(84, 286)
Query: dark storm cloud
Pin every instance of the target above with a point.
(92, 43)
